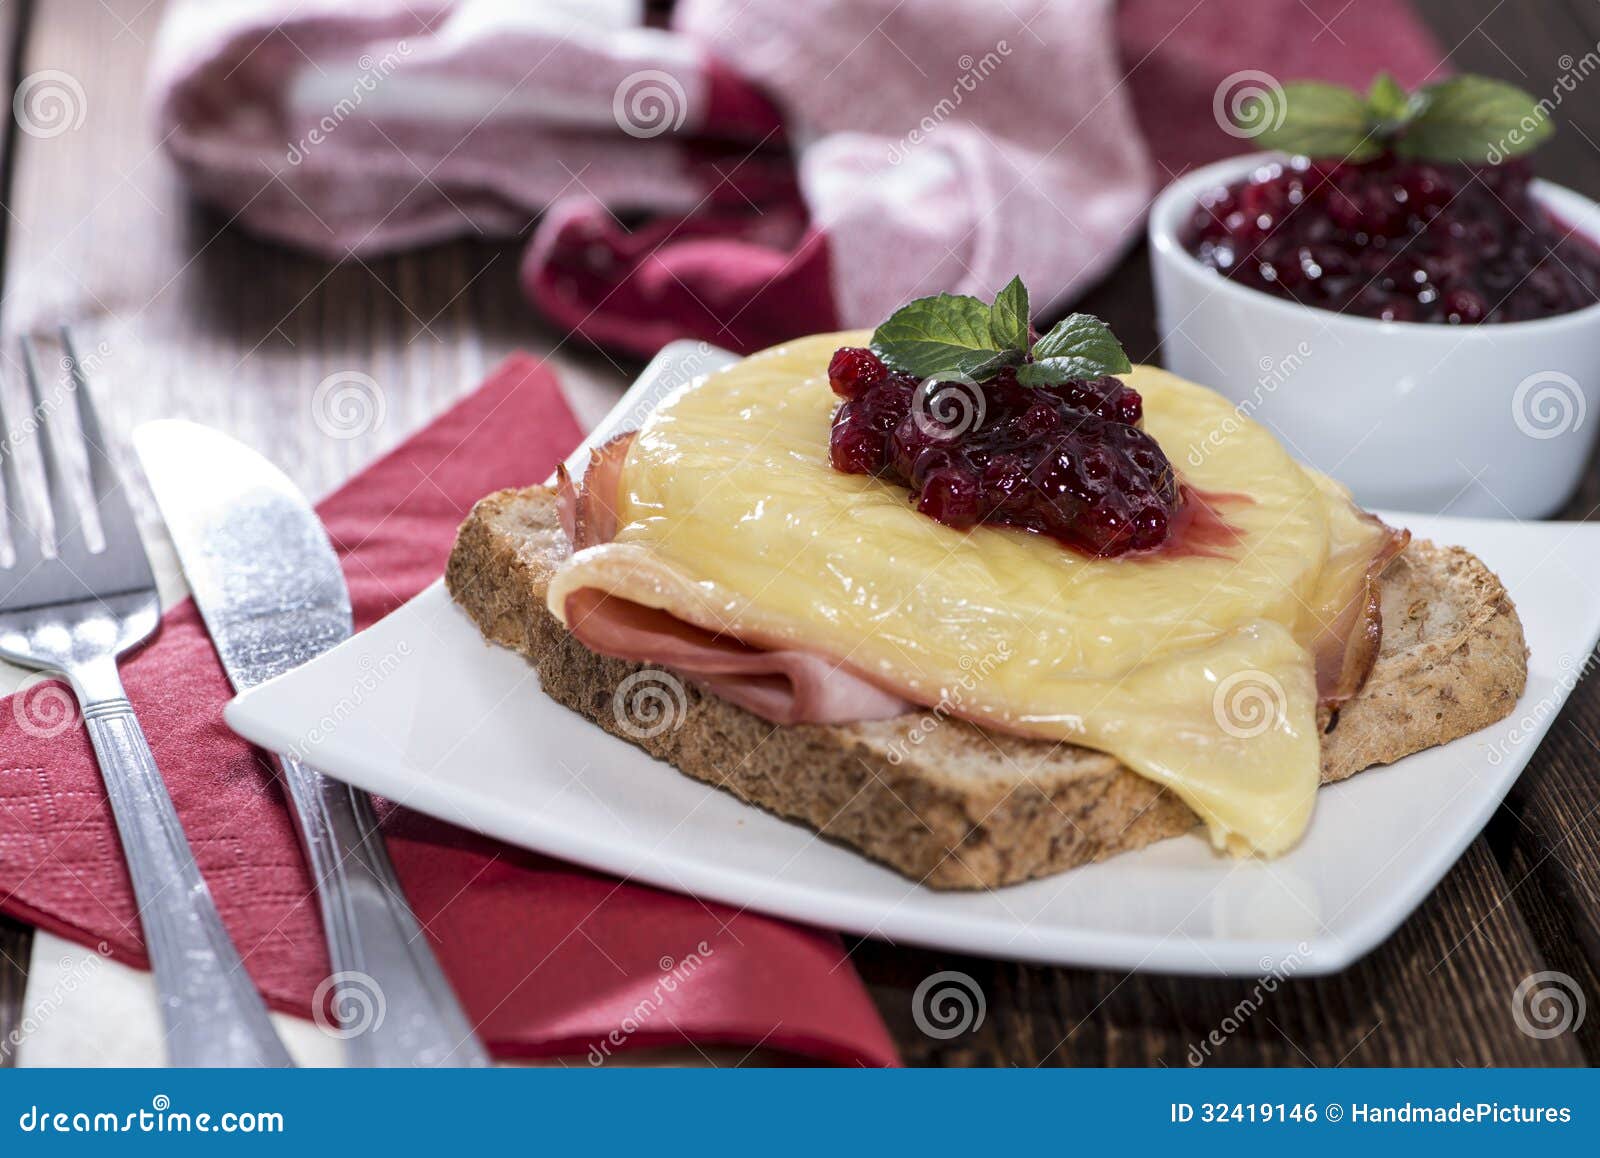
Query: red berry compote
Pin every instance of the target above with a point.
(1067, 460)
(1400, 240)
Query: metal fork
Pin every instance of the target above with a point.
(73, 611)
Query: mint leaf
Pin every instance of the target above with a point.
(1387, 101)
(1467, 118)
(1078, 346)
(953, 334)
(947, 334)
(1318, 120)
(1474, 119)
(1008, 319)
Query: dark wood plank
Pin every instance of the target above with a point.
(1546, 836)
(16, 940)
(1436, 993)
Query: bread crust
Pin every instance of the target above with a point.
(961, 807)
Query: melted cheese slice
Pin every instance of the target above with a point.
(1195, 671)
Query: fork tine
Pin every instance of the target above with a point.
(14, 516)
(110, 510)
(102, 475)
(62, 511)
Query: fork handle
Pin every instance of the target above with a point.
(213, 1014)
(394, 1005)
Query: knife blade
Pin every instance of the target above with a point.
(270, 590)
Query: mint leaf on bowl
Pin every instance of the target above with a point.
(1388, 102)
(1471, 119)
(1319, 120)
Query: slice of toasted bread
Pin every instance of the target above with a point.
(962, 807)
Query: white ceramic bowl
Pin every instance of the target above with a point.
(1494, 421)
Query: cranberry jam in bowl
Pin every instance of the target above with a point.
(1425, 329)
(1398, 240)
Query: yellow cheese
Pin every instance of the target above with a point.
(1194, 671)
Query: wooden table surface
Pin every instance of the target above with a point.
(205, 323)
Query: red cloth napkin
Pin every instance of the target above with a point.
(782, 168)
(548, 959)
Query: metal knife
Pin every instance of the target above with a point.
(268, 585)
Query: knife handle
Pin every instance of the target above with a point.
(394, 1006)
(211, 1010)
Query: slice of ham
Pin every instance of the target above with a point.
(793, 686)
(1346, 650)
(784, 685)
(589, 512)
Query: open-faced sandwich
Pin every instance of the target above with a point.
(987, 606)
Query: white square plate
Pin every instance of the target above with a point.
(420, 710)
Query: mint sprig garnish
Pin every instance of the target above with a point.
(946, 334)
(1316, 119)
(1387, 101)
(1473, 119)
(1078, 346)
(1008, 317)
(959, 336)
